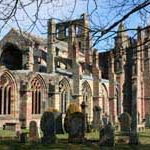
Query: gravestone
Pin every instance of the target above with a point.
(107, 135)
(18, 134)
(125, 128)
(23, 137)
(84, 111)
(60, 123)
(47, 125)
(147, 120)
(96, 117)
(76, 128)
(105, 119)
(33, 132)
(125, 123)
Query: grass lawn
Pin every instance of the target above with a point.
(7, 133)
(62, 143)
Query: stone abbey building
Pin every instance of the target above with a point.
(37, 74)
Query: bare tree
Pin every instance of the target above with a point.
(104, 15)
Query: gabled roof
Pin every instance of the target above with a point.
(31, 37)
(23, 39)
(23, 35)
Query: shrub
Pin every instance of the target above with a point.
(51, 109)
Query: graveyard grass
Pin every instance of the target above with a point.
(62, 143)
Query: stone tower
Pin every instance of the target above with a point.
(120, 62)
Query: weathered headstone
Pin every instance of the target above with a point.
(105, 119)
(125, 123)
(23, 137)
(84, 111)
(60, 124)
(76, 128)
(147, 120)
(107, 135)
(33, 132)
(125, 128)
(18, 134)
(47, 125)
(96, 117)
(87, 124)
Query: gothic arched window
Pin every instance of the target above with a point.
(36, 101)
(7, 87)
(105, 100)
(87, 97)
(37, 89)
(64, 89)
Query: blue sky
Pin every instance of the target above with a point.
(59, 9)
(62, 10)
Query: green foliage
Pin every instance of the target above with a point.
(50, 109)
(73, 107)
(7, 133)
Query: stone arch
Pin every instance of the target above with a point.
(8, 94)
(105, 100)
(87, 97)
(8, 57)
(65, 94)
(39, 92)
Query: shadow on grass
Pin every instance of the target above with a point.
(39, 146)
(145, 136)
(64, 145)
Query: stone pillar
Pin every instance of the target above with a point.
(33, 102)
(26, 104)
(56, 98)
(96, 77)
(112, 88)
(2, 105)
(7, 103)
(97, 117)
(28, 59)
(86, 41)
(28, 107)
(134, 138)
(71, 39)
(76, 82)
(38, 99)
(115, 110)
(51, 46)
